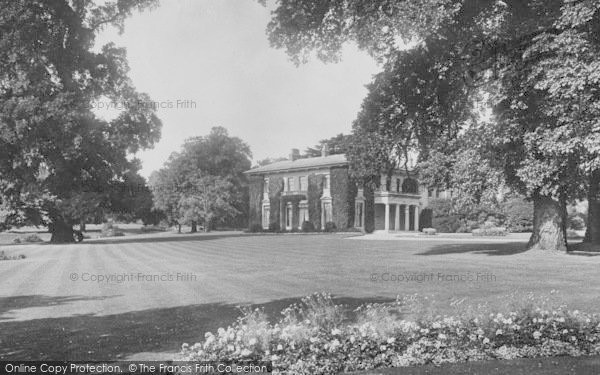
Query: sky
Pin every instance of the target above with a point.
(213, 56)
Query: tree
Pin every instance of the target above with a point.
(208, 199)
(165, 195)
(338, 144)
(53, 150)
(541, 140)
(217, 156)
(220, 155)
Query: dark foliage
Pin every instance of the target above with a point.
(330, 227)
(315, 191)
(343, 192)
(255, 228)
(307, 227)
(255, 190)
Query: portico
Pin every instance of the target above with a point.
(397, 211)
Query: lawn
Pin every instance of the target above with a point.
(169, 289)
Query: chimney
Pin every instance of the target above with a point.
(325, 150)
(295, 154)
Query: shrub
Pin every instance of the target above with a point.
(308, 226)
(576, 221)
(153, 228)
(572, 234)
(256, 228)
(16, 240)
(490, 230)
(111, 230)
(274, 227)
(444, 220)
(446, 224)
(33, 238)
(519, 215)
(429, 231)
(330, 227)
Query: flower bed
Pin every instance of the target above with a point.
(315, 338)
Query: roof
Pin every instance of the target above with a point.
(306, 163)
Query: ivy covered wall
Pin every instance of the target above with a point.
(255, 188)
(275, 189)
(315, 191)
(369, 207)
(343, 193)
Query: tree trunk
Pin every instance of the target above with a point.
(592, 232)
(62, 232)
(179, 228)
(206, 224)
(194, 227)
(82, 226)
(549, 225)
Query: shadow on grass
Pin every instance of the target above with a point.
(184, 237)
(498, 249)
(23, 302)
(112, 337)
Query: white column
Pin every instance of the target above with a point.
(397, 221)
(387, 216)
(416, 218)
(406, 217)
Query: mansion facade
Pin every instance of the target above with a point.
(319, 190)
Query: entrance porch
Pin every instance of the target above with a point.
(397, 216)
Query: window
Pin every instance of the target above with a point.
(327, 214)
(288, 217)
(266, 187)
(303, 215)
(290, 184)
(326, 182)
(430, 193)
(398, 185)
(358, 215)
(303, 183)
(266, 217)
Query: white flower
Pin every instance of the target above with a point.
(221, 331)
(565, 331)
(334, 344)
(486, 340)
(498, 332)
(279, 347)
(336, 332)
(391, 340)
(245, 353)
(436, 325)
(274, 357)
(479, 331)
(252, 341)
(537, 335)
(230, 347)
(383, 348)
(441, 336)
(352, 339)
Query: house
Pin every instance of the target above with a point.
(319, 190)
